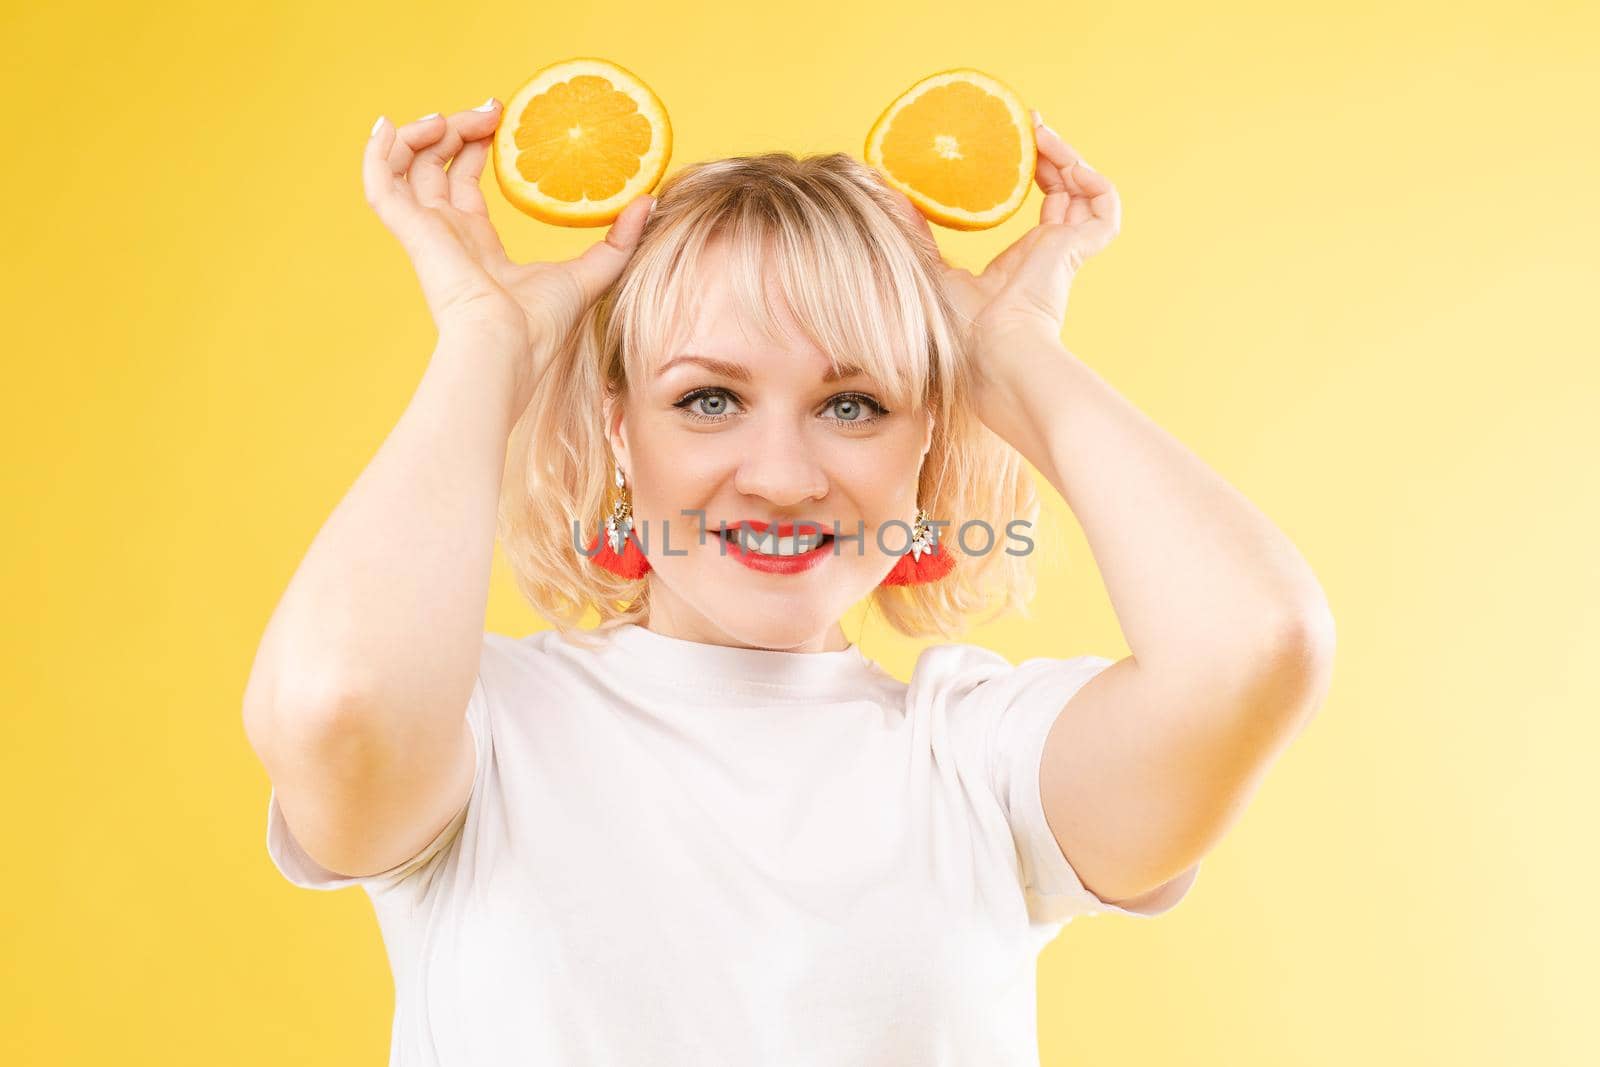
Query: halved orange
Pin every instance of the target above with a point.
(579, 141)
(960, 145)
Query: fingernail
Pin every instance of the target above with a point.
(651, 209)
(376, 126)
(1084, 163)
(1037, 121)
(487, 105)
(429, 115)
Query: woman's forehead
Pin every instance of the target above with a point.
(727, 310)
(718, 326)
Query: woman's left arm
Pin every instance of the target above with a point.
(1232, 638)
(1154, 759)
(1205, 587)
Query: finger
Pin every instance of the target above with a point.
(403, 148)
(1067, 179)
(478, 128)
(1057, 197)
(602, 262)
(1051, 143)
(461, 129)
(414, 155)
(466, 191)
(435, 139)
(386, 191)
(1091, 195)
(1048, 174)
(1083, 180)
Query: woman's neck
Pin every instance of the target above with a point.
(831, 640)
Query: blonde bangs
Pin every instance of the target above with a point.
(843, 272)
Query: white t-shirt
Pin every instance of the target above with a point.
(684, 853)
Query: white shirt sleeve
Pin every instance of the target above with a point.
(1003, 713)
(1030, 698)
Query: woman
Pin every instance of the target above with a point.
(714, 831)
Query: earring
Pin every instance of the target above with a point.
(620, 554)
(925, 561)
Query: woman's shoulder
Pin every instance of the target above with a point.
(541, 651)
(955, 670)
(551, 656)
(956, 662)
(518, 664)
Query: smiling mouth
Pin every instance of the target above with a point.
(767, 543)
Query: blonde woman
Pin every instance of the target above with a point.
(712, 830)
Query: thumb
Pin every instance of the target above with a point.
(602, 262)
(1053, 259)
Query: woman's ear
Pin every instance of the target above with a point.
(927, 439)
(613, 411)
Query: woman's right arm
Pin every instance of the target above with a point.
(356, 702)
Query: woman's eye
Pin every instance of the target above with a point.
(712, 405)
(857, 408)
(715, 403)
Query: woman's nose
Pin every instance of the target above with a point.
(777, 465)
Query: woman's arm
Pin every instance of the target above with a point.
(1232, 638)
(1231, 635)
(356, 702)
(1201, 580)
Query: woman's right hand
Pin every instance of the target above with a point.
(440, 218)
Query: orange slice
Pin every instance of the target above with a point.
(960, 145)
(579, 140)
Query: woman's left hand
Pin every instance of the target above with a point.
(1023, 291)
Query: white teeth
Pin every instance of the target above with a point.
(770, 544)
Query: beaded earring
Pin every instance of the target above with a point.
(925, 561)
(620, 553)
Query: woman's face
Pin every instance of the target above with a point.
(762, 437)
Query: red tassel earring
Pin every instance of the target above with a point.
(620, 554)
(926, 561)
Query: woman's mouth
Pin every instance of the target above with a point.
(773, 553)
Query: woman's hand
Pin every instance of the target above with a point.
(1023, 291)
(440, 218)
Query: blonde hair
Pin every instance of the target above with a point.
(865, 289)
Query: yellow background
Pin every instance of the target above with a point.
(1356, 276)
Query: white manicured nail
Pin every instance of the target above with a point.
(376, 126)
(487, 105)
(429, 115)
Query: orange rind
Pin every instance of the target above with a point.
(579, 141)
(960, 145)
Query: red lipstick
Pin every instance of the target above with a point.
(766, 564)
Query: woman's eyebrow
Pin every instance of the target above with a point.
(740, 373)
